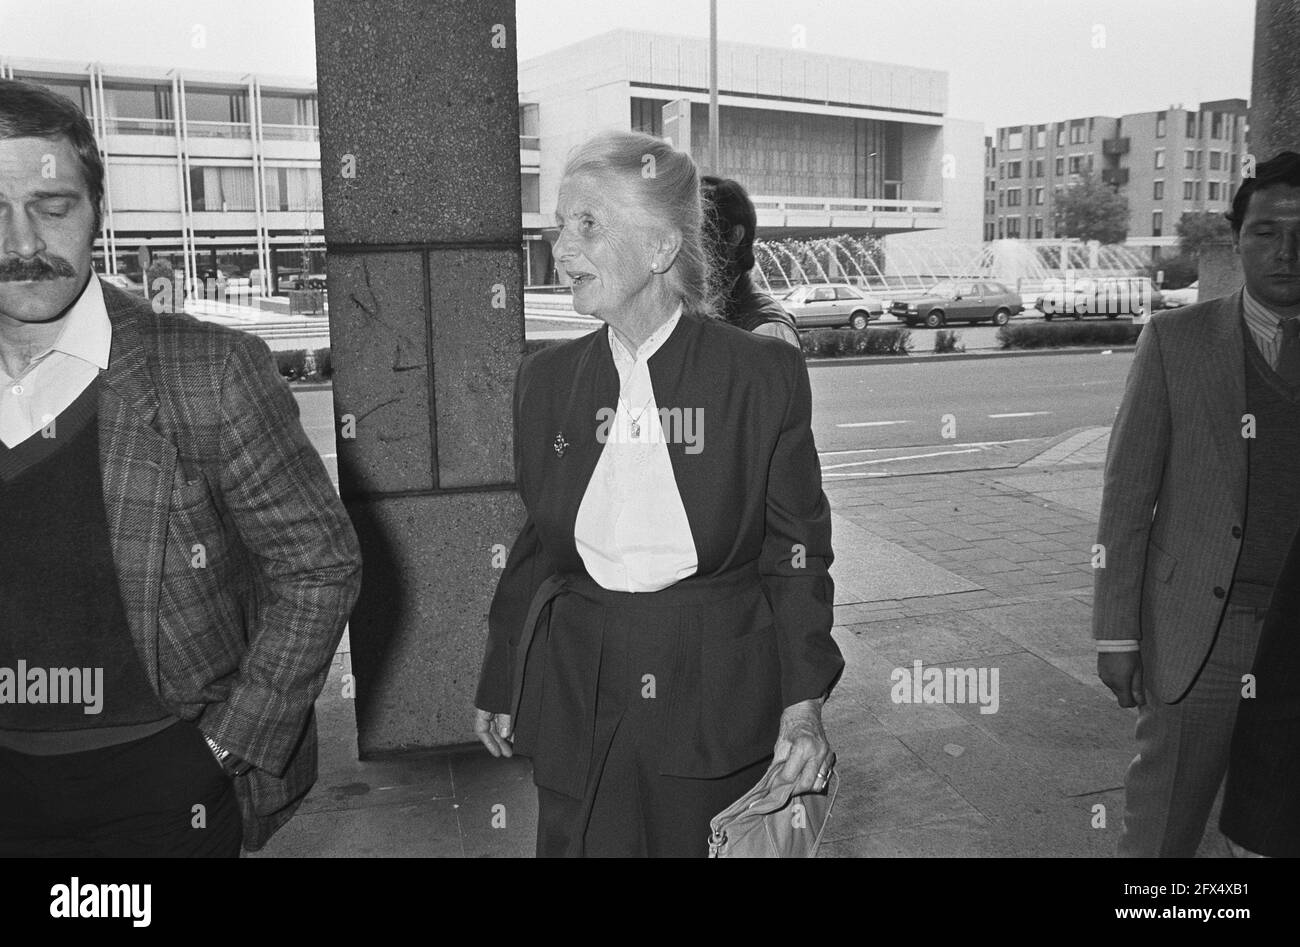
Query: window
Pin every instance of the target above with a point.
(287, 108)
(1013, 169)
(1187, 190)
(1013, 197)
(288, 189)
(1191, 124)
(1214, 190)
(224, 189)
(216, 105)
(1090, 124)
(1002, 171)
(648, 116)
(1189, 158)
(1040, 136)
(1160, 125)
(1157, 223)
(823, 294)
(1001, 228)
(1200, 158)
(1001, 197)
(1076, 132)
(143, 186)
(1076, 164)
(1216, 160)
(1038, 228)
(1216, 124)
(1198, 191)
(1060, 166)
(78, 90)
(989, 232)
(528, 114)
(1089, 162)
(1158, 191)
(1016, 139)
(1060, 136)
(1013, 227)
(1160, 158)
(1039, 194)
(1038, 167)
(530, 194)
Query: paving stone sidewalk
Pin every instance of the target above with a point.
(965, 571)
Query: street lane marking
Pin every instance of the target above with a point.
(876, 450)
(1020, 414)
(886, 460)
(872, 423)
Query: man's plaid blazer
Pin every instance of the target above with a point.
(237, 563)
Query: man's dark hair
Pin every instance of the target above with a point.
(725, 205)
(32, 111)
(1283, 168)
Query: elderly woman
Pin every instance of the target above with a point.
(662, 626)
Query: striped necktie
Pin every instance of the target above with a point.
(1288, 356)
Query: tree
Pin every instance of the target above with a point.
(1199, 229)
(1091, 210)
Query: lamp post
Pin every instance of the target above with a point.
(713, 86)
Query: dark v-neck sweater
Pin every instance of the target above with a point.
(70, 676)
(1273, 485)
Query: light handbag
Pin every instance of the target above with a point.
(770, 822)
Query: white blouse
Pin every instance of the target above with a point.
(631, 530)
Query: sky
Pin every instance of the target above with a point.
(1008, 61)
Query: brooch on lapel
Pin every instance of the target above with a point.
(560, 444)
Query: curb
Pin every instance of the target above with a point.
(814, 362)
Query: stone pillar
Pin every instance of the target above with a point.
(1274, 119)
(1275, 79)
(420, 167)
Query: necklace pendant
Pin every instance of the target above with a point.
(636, 429)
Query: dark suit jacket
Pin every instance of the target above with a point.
(1261, 802)
(1174, 498)
(752, 496)
(200, 444)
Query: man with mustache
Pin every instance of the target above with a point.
(166, 524)
(1201, 499)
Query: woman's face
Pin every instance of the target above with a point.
(605, 246)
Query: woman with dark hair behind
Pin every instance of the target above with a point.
(729, 226)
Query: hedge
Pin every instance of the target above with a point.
(1042, 335)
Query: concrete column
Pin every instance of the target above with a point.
(420, 167)
(1274, 119)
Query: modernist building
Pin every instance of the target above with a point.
(1166, 163)
(215, 172)
(826, 145)
(221, 172)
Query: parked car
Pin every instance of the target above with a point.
(959, 301)
(1181, 297)
(831, 304)
(1111, 297)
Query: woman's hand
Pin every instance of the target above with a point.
(802, 744)
(493, 730)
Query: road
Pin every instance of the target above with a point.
(873, 419)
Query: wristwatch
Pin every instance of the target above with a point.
(231, 764)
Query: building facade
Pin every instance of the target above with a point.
(1166, 163)
(825, 145)
(220, 173)
(217, 173)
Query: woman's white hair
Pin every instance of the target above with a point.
(665, 185)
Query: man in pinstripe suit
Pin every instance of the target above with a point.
(170, 535)
(1201, 498)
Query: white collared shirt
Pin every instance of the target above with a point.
(58, 375)
(632, 531)
(1265, 326)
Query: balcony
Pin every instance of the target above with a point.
(1116, 176)
(1115, 146)
(813, 216)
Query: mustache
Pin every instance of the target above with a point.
(38, 268)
